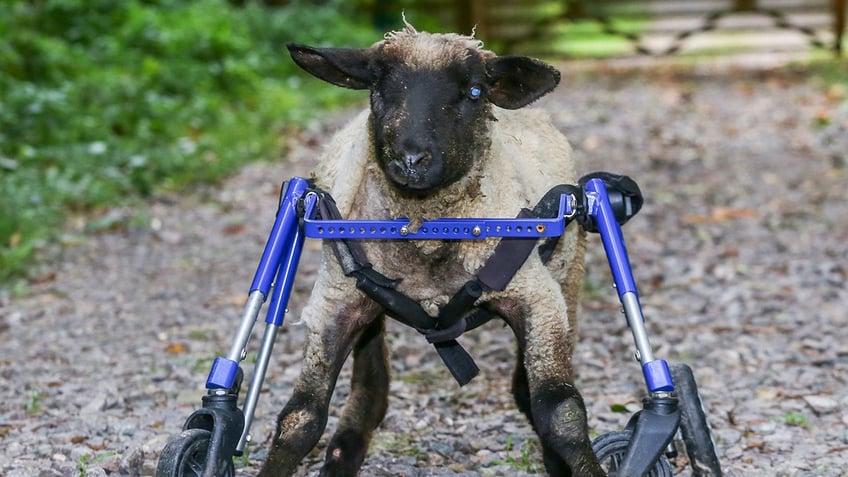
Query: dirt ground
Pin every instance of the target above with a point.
(740, 253)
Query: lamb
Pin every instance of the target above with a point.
(445, 136)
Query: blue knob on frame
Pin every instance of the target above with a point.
(223, 374)
(658, 376)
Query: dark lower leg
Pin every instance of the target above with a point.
(520, 387)
(365, 407)
(521, 391)
(299, 428)
(560, 415)
(302, 421)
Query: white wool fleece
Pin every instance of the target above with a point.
(526, 158)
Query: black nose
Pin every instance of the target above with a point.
(410, 160)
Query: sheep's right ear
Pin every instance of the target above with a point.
(345, 67)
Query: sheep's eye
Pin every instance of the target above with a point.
(475, 92)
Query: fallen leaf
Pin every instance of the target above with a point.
(45, 278)
(755, 445)
(234, 299)
(822, 117)
(719, 214)
(836, 92)
(175, 348)
(233, 229)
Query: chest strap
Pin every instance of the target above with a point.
(459, 314)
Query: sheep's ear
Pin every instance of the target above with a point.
(345, 67)
(517, 81)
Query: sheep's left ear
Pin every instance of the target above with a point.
(345, 67)
(517, 81)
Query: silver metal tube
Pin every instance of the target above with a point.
(252, 396)
(633, 312)
(248, 320)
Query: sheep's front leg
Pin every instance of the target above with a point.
(543, 383)
(559, 414)
(303, 419)
(365, 407)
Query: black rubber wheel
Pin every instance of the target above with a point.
(611, 448)
(700, 446)
(185, 455)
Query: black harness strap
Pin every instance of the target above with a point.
(511, 253)
(381, 289)
(459, 314)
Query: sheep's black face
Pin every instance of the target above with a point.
(431, 98)
(429, 126)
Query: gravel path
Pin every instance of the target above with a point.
(741, 253)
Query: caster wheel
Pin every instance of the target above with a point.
(700, 446)
(612, 447)
(185, 456)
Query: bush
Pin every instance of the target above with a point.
(102, 100)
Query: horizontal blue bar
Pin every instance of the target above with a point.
(658, 376)
(223, 374)
(443, 228)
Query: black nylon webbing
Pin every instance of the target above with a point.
(511, 253)
(459, 314)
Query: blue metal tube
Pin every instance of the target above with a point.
(280, 236)
(610, 230)
(283, 233)
(655, 371)
(285, 279)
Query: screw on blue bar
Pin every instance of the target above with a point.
(599, 207)
(443, 228)
(281, 232)
(223, 374)
(658, 376)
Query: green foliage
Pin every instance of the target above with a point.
(102, 100)
(526, 460)
(86, 460)
(796, 419)
(34, 405)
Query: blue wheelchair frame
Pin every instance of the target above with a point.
(651, 430)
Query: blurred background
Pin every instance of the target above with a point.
(104, 103)
(142, 146)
